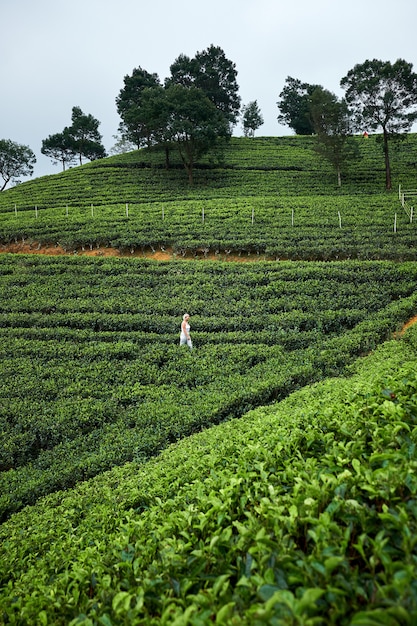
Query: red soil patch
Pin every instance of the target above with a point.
(410, 322)
(157, 255)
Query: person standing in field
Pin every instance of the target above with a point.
(185, 337)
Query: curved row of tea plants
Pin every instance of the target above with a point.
(301, 512)
(92, 374)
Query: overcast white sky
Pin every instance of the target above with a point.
(55, 55)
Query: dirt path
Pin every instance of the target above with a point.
(158, 255)
(410, 322)
(166, 255)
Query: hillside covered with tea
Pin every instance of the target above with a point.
(268, 475)
(271, 196)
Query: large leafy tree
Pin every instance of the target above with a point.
(85, 135)
(81, 139)
(193, 123)
(212, 72)
(15, 160)
(332, 125)
(294, 106)
(60, 148)
(135, 126)
(252, 118)
(383, 97)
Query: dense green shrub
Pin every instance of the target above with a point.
(301, 512)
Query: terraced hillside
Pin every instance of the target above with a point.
(265, 477)
(270, 196)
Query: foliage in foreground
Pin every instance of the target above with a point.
(301, 513)
(92, 374)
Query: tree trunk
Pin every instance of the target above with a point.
(388, 184)
(187, 158)
(167, 164)
(189, 168)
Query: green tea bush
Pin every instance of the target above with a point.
(301, 512)
(92, 375)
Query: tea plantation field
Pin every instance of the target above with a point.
(267, 196)
(265, 477)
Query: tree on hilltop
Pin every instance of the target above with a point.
(193, 124)
(332, 125)
(252, 118)
(15, 160)
(85, 136)
(294, 106)
(215, 75)
(81, 139)
(60, 148)
(195, 108)
(383, 96)
(134, 126)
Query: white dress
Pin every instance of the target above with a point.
(183, 337)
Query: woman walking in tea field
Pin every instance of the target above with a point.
(185, 337)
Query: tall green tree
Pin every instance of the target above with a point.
(134, 126)
(332, 125)
(85, 136)
(60, 148)
(81, 139)
(193, 124)
(252, 118)
(15, 160)
(383, 97)
(212, 72)
(294, 106)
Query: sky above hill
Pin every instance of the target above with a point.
(56, 55)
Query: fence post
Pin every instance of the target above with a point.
(127, 209)
(395, 223)
(292, 217)
(340, 219)
(15, 210)
(202, 215)
(92, 211)
(253, 215)
(36, 211)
